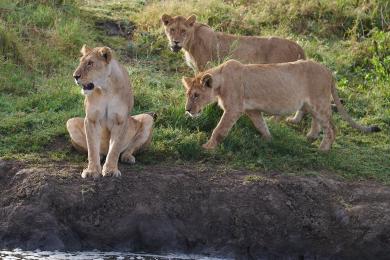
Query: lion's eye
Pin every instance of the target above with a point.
(172, 30)
(196, 95)
(90, 63)
(183, 31)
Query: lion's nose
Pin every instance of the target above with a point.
(76, 77)
(176, 42)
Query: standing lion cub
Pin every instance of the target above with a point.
(202, 45)
(107, 128)
(276, 89)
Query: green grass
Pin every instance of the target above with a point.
(39, 49)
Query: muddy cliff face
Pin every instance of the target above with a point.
(193, 210)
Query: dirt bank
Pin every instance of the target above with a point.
(193, 209)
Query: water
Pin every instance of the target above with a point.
(93, 255)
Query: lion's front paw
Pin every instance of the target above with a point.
(209, 145)
(109, 171)
(127, 158)
(90, 173)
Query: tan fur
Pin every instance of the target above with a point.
(107, 128)
(276, 89)
(202, 46)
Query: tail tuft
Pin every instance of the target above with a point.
(374, 129)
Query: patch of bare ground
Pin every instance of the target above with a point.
(193, 209)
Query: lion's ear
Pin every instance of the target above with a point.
(191, 20)
(186, 82)
(85, 50)
(106, 53)
(166, 19)
(207, 81)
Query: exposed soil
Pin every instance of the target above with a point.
(193, 209)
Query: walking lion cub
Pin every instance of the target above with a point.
(107, 128)
(276, 89)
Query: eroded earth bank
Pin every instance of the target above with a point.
(193, 209)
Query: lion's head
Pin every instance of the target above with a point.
(94, 68)
(200, 91)
(179, 30)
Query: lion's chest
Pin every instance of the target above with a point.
(221, 103)
(190, 61)
(107, 110)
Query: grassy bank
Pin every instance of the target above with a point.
(39, 49)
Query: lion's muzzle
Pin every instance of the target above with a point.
(193, 115)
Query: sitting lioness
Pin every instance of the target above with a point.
(202, 45)
(276, 89)
(107, 128)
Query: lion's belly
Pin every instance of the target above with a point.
(274, 92)
(274, 107)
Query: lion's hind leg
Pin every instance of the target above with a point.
(298, 115)
(258, 121)
(315, 127)
(75, 127)
(140, 135)
(315, 130)
(322, 115)
(296, 118)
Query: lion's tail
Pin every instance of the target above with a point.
(344, 114)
